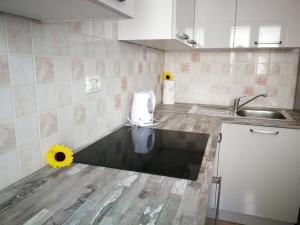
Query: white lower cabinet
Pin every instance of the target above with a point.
(260, 170)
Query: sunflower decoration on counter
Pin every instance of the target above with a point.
(168, 76)
(59, 156)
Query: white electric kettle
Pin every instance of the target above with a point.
(143, 105)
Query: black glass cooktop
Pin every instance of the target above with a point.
(154, 151)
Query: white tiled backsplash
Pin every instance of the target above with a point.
(42, 93)
(216, 77)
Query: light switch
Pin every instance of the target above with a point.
(92, 84)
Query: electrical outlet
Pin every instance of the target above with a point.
(92, 84)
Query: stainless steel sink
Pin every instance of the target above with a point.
(265, 114)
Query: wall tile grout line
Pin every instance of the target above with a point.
(11, 91)
(72, 86)
(36, 93)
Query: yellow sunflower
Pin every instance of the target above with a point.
(59, 156)
(168, 76)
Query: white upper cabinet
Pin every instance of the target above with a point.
(214, 23)
(68, 10)
(267, 23)
(247, 23)
(160, 24)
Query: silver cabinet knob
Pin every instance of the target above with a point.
(182, 36)
(191, 42)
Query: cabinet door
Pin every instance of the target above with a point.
(184, 15)
(152, 21)
(214, 23)
(260, 171)
(267, 23)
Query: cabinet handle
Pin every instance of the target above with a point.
(268, 43)
(191, 42)
(264, 132)
(217, 181)
(220, 137)
(183, 36)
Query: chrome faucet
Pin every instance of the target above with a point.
(237, 106)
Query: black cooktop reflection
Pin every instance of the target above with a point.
(154, 151)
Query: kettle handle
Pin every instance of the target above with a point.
(153, 98)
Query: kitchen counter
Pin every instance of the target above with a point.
(84, 194)
(225, 115)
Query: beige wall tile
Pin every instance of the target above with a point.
(6, 112)
(47, 97)
(18, 34)
(85, 133)
(205, 68)
(9, 169)
(100, 67)
(195, 56)
(262, 69)
(274, 69)
(48, 124)
(251, 57)
(27, 130)
(78, 91)
(91, 110)
(118, 102)
(63, 94)
(30, 159)
(90, 67)
(77, 69)
(3, 46)
(67, 138)
(24, 100)
(99, 29)
(289, 69)
(185, 68)
(250, 69)
(46, 143)
(65, 118)
(101, 107)
(21, 67)
(263, 56)
(44, 69)
(4, 72)
(62, 71)
(79, 114)
(75, 26)
(7, 137)
(41, 36)
(60, 38)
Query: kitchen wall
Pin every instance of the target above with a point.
(216, 77)
(42, 96)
